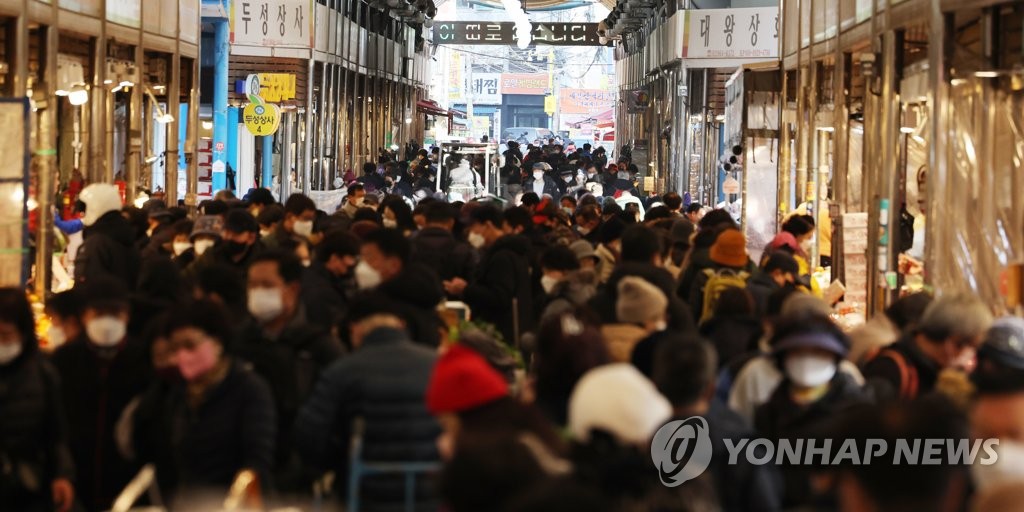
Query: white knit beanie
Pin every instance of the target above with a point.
(618, 399)
(639, 302)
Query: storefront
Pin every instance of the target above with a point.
(106, 89)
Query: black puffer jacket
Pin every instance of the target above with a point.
(438, 249)
(109, 250)
(204, 448)
(503, 275)
(383, 383)
(33, 432)
(97, 385)
(291, 364)
(417, 290)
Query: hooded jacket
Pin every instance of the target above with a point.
(504, 275)
(438, 249)
(33, 432)
(109, 249)
(418, 291)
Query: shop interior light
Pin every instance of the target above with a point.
(907, 129)
(408, 120)
(140, 199)
(986, 74)
(958, 81)
(79, 95)
(826, 129)
(207, 125)
(161, 116)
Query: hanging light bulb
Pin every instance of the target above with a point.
(78, 95)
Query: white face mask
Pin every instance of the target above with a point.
(548, 283)
(9, 351)
(264, 233)
(106, 331)
(810, 371)
(806, 246)
(366, 276)
(390, 223)
(1008, 469)
(476, 240)
(660, 325)
(181, 247)
(583, 231)
(202, 245)
(538, 175)
(303, 228)
(56, 336)
(360, 202)
(265, 304)
(567, 179)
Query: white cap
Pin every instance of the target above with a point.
(618, 399)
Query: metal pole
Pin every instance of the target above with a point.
(308, 139)
(840, 158)
(136, 117)
(46, 158)
(939, 50)
(192, 142)
(97, 171)
(173, 129)
(221, 49)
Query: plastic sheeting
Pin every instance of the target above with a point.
(762, 175)
(979, 203)
(855, 169)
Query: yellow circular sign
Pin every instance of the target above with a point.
(262, 118)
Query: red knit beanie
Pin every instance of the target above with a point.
(463, 380)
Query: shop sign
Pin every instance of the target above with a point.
(533, 84)
(549, 105)
(485, 88)
(732, 33)
(455, 79)
(272, 23)
(261, 118)
(125, 12)
(585, 101)
(503, 33)
(90, 7)
(275, 87)
(731, 186)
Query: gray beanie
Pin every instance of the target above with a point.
(639, 302)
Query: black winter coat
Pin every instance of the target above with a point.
(383, 383)
(204, 448)
(291, 364)
(417, 291)
(761, 286)
(97, 385)
(503, 275)
(108, 249)
(438, 249)
(33, 433)
(324, 296)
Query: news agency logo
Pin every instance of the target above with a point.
(681, 450)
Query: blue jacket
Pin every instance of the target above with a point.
(384, 382)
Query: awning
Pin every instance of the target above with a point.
(605, 119)
(431, 108)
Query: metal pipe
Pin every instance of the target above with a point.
(840, 158)
(46, 159)
(97, 171)
(308, 139)
(192, 142)
(137, 115)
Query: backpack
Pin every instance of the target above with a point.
(909, 380)
(719, 281)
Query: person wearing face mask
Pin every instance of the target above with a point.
(777, 271)
(353, 202)
(998, 410)
(808, 352)
(328, 283)
(589, 222)
(944, 342)
(501, 292)
(370, 178)
(270, 219)
(285, 348)
(609, 248)
(101, 372)
(214, 421)
(299, 214)
(160, 232)
(38, 471)
(558, 264)
(436, 246)
(540, 183)
(182, 252)
(386, 264)
(238, 248)
(108, 247)
(64, 310)
(259, 199)
(396, 214)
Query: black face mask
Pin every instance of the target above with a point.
(234, 248)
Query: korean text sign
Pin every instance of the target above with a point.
(585, 101)
(732, 33)
(535, 84)
(272, 23)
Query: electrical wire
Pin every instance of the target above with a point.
(519, 61)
